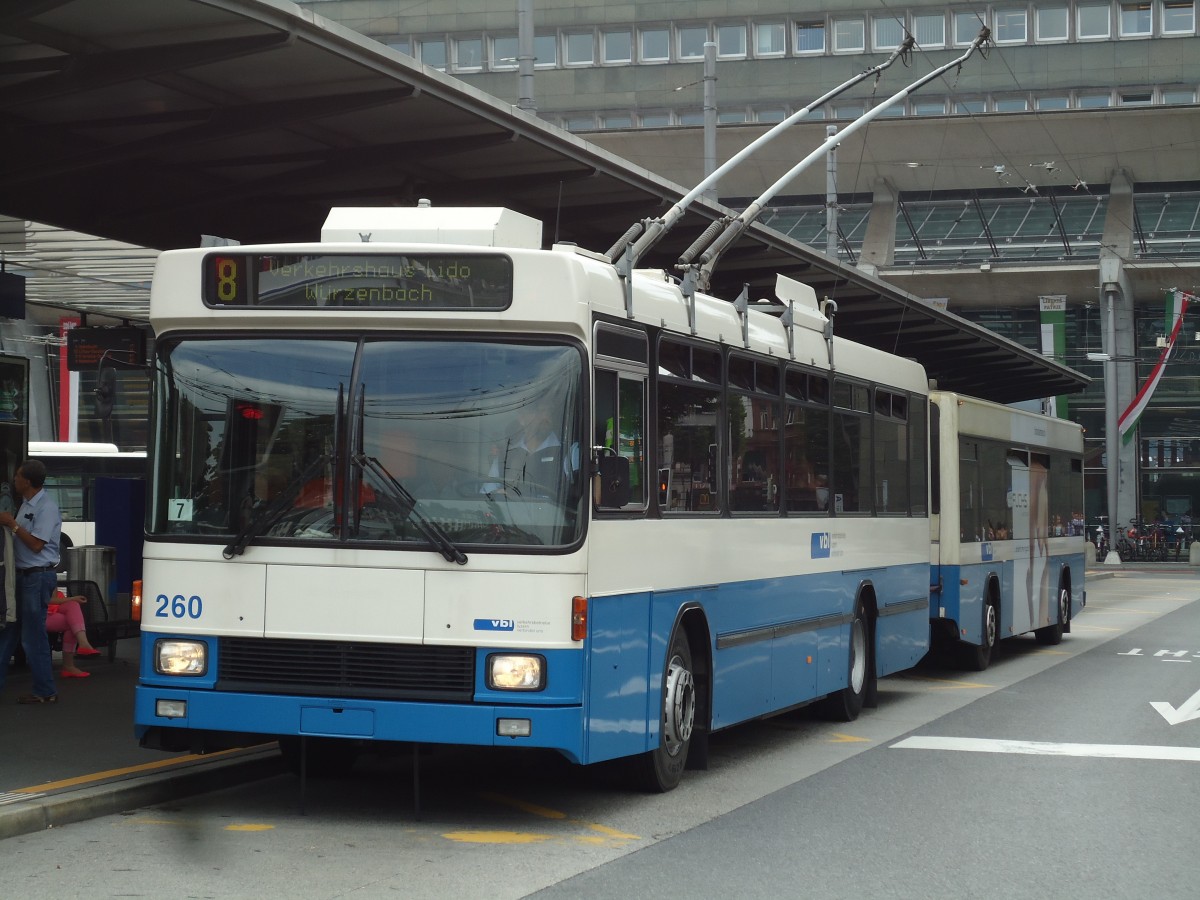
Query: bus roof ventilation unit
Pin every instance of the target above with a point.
(473, 226)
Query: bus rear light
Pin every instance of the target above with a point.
(579, 613)
(135, 601)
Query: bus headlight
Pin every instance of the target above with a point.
(512, 672)
(174, 657)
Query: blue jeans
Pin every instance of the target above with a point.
(33, 595)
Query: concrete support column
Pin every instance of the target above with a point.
(1120, 371)
(879, 243)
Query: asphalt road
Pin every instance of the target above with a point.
(1051, 774)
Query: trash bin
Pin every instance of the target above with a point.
(98, 565)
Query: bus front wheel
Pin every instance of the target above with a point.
(661, 769)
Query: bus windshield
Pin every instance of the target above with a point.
(298, 439)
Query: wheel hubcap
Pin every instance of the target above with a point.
(679, 711)
(989, 626)
(1064, 607)
(858, 655)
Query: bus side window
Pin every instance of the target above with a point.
(620, 416)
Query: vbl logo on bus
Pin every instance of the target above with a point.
(821, 545)
(494, 625)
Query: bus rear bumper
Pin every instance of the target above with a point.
(205, 721)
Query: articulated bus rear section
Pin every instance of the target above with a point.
(1008, 525)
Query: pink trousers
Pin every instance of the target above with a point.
(68, 619)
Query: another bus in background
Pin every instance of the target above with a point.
(71, 472)
(1008, 533)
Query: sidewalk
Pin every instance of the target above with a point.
(78, 758)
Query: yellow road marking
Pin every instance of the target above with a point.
(946, 684)
(1122, 609)
(531, 808)
(603, 833)
(116, 773)
(249, 827)
(846, 739)
(496, 837)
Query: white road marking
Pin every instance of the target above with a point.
(1189, 709)
(1046, 748)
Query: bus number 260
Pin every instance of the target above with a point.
(178, 607)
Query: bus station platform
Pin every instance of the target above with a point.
(78, 759)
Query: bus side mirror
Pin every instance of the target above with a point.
(612, 472)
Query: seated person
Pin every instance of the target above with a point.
(66, 615)
(535, 460)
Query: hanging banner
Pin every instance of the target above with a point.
(1127, 423)
(1053, 309)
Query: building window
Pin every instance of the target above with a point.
(888, 32)
(969, 107)
(579, 48)
(433, 53)
(929, 107)
(1053, 102)
(545, 51)
(849, 35)
(691, 117)
(1051, 24)
(1011, 104)
(403, 45)
(1137, 98)
(769, 39)
(848, 111)
(468, 54)
(967, 26)
(618, 121)
(1178, 16)
(654, 45)
(1094, 101)
(770, 116)
(692, 40)
(1136, 19)
(580, 123)
(1010, 26)
(810, 37)
(1092, 21)
(504, 52)
(656, 120)
(618, 46)
(733, 117)
(1178, 96)
(731, 41)
(929, 31)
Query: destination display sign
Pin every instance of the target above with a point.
(424, 281)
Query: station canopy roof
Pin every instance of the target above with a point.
(153, 122)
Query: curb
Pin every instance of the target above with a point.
(195, 776)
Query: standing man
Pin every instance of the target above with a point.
(35, 528)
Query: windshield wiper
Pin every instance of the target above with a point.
(408, 508)
(267, 514)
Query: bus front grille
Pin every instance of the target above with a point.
(346, 669)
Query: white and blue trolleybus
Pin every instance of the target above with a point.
(424, 481)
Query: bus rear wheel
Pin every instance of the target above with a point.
(661, 769)
(977, 657)
(846, 704)
(1053, 634)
